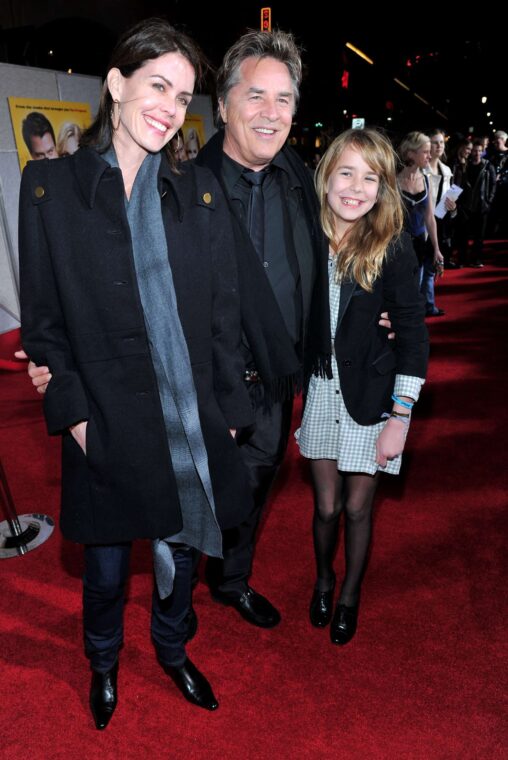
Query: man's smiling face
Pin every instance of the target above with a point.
(258, 112)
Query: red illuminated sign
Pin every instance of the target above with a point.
(266, 19)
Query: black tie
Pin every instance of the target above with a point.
(256, 215)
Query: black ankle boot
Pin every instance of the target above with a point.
(321, 606)
(103, 696)
(344, 623)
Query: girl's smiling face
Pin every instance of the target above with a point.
(352, 189)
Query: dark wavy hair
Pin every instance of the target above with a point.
(147, 40)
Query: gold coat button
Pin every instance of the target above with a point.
(207, 198)
(39, 192)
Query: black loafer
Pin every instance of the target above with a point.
(321, 605)
(344, 623)
(253, 607)
(103, 696)
(193, 685)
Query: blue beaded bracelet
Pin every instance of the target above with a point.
(405, 404)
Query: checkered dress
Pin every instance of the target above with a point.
(328, 431)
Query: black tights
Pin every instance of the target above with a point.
(353, 494)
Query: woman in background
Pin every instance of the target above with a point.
(440, 176)
(420, 222)
(192, 144)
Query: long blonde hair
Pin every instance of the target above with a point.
(360, 253)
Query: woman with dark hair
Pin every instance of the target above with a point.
(129, 297)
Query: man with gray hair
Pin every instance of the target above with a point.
(280, 250)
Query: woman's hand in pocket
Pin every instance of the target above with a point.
(78, 432)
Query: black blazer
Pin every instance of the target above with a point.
(81, 315)
(367, 360)
(273, 352)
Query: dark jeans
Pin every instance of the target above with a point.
(262, 452)
(427, 276)
(106, 571)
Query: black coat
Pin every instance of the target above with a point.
(476, 197)
(82, 316)
(272, 350)
(367, 360)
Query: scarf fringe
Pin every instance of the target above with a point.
(321, 367)
(279, 389)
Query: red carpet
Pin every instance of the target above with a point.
(425, 676)
(10, 342)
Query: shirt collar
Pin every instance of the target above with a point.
(232, 170)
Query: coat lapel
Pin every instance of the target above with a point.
(346, 292)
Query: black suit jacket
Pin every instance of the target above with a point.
(367, 360)
(273, 351)
(81, 315)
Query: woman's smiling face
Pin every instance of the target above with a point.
(152, 102)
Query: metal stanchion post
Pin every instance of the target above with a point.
(20, 534)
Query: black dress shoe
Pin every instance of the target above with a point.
(193, 685)
(321, 605)
(344, 623)
(254, 607)
(103, 696)
(192, 624)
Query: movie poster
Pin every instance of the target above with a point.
(47, 128)
(193, 132)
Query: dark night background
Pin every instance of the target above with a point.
(448, 67)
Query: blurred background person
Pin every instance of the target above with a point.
(192, 143)
(498, 157)
(440, 176)
(420, 222)
(477, 178)
(180, 154)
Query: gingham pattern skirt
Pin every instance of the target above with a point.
(328, 431)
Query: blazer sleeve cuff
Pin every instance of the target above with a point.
(405, 385)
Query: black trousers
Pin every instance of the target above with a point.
(262, 450)
(106, 572)
(472, 228)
